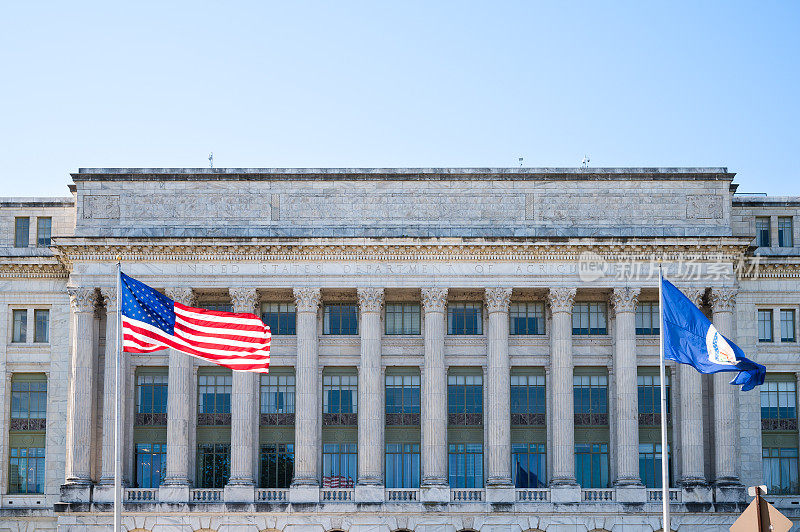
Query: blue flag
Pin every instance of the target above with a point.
(689, 338)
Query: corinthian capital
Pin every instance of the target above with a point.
(561, 299)
(243, 299)
(82, 299)
(182, 295)
(723, 299)
(434, 299)
(370, 299)
(497, 299)
(695, 295)
(625, 299)
(307, 299)
(109, 295)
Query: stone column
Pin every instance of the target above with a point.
(629, 485)
(370, 399)
(180, 399)
(693, 481)
(498, 386)
(305, 486)
(240, 487)
(104, 491)
(434, 399)
(563, 486)
(726, 406)
(80, 396)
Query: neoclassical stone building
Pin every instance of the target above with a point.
(453, 349)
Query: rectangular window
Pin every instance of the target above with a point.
(213, 465)
(526, 318)
(591, 465)
(788, 326)
(763, 232)
(281, 318)
(41, 326)
(647, 319)
(764, 325)
(44, 227)
(277, 465)
(780, 470)
(219, 307)
(778, 400)
(590, 394)
(214, 394)
(151, 394)
(465, 319)
(527, 394)
(28, 401)
(151, 464)
(589, 318)
(465, 394)
(528, 465)
(340, 394)
(402, 318)
(26, 470)
(339, 463)
(340, 319)
(277, 394)
(649, 395)
(402, 394)
(785, 232)
(19, 331)
(21, 232)
(402, 465)
(650, 464)
(465, 465)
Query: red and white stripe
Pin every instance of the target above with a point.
(236, 341)
(337, 482)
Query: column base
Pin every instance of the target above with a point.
(729, 490)
(104, 492)
(77, 492)
(565, 493)
(435, 493)
(501, 494)
(696, 491)
(304, 494)
(174, 493)
(631, 493)
(240, 493)
(369, 493)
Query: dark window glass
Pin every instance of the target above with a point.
(402, 465)
(41, 326)
(529, 465)
(20, 326)
(21, 232)
(465, 319)
(151, 394)
(785, 239)
(780, 470)
(151, 464)
(402, 394)
(649, 392)
(219, 307)
(214, 394)
(29, 399)
(340, 394)
(340, 319)
(402, 318)
(650, 464)
(277, 465)
(465, 394)
(526, 318)
(763, 232)
(465, 465)
(339, 463)
(26, 470)
(213, 465)
(43, 230)
(281, 318)
(765, 325)
(778, 400)
(527, 394)
(591, 465)
(277, 394)
(590, 394)
(647, 319)
(589, 319)
(788, 326)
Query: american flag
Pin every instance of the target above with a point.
(338, 482)
(151, 321)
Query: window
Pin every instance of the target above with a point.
(647, 319)
(339, 462)
(465, 465)
(778, 400)
(28, 401)
(402, 394)
(650, 464)
(26, 468)
(528, 465)
(526, 318)
(214, 394)
(151, 394)
(19, 326)
(402, 318)
(151, 464)
(785, 231)
(402, 465)
(590, 394)
(41, 326)
(219, 307)
(527, 399)
(763, 232)
(340, 319)
(589, 318)
(765, 325)
(21, 232)
(213, 465)
(277, 465)
(281, 318)
(465, 319)
(340, 394)
(465, 394)
(780, 470)
(591, 465)
(649, 395)
(43, 229)
(277, 394)
(787, 326)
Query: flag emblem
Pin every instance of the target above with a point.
(719, 350)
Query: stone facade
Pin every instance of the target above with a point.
(370, 237)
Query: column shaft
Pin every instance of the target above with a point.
(691, 406)
(726, 403)
(370, 392)
(498, 386)
(434, 390)
(625, 370)
(109, 391)
(561, 369)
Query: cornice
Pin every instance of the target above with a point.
(37, 270)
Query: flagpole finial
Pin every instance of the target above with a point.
(119, 258)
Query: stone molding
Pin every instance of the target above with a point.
(434, 299)
(370, 299)
(625, 299)
(244, 299)
(695, 295)
(497, 299)
(82, 299)
(182, 295)
(109, 295)
(307, 299)
(561, 299)
(723, 299)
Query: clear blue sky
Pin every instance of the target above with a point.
(398, 84)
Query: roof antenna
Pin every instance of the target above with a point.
(211, 160)
(585, 161)
(520, 161)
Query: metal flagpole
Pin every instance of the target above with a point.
(118, 407)
(662, 375)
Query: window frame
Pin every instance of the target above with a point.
(527, 311)
(768, 466)
(284, 313)
(652, 316)
(19, 335)
(350, 319)
(534, 452)
(785, 230)
(338, 458)
(594, 310)
(593, 449)
(785, 337)
(336, 382)
(467, 310)
(22, 240)
(40, 470)
(44, 241)
(221, 464)
(458, 469)
(408, 312)
(285, 387)
(157, 449)
(763, 233)
(37, 327)
(279, 451)
(762, 328)
(405, 458)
